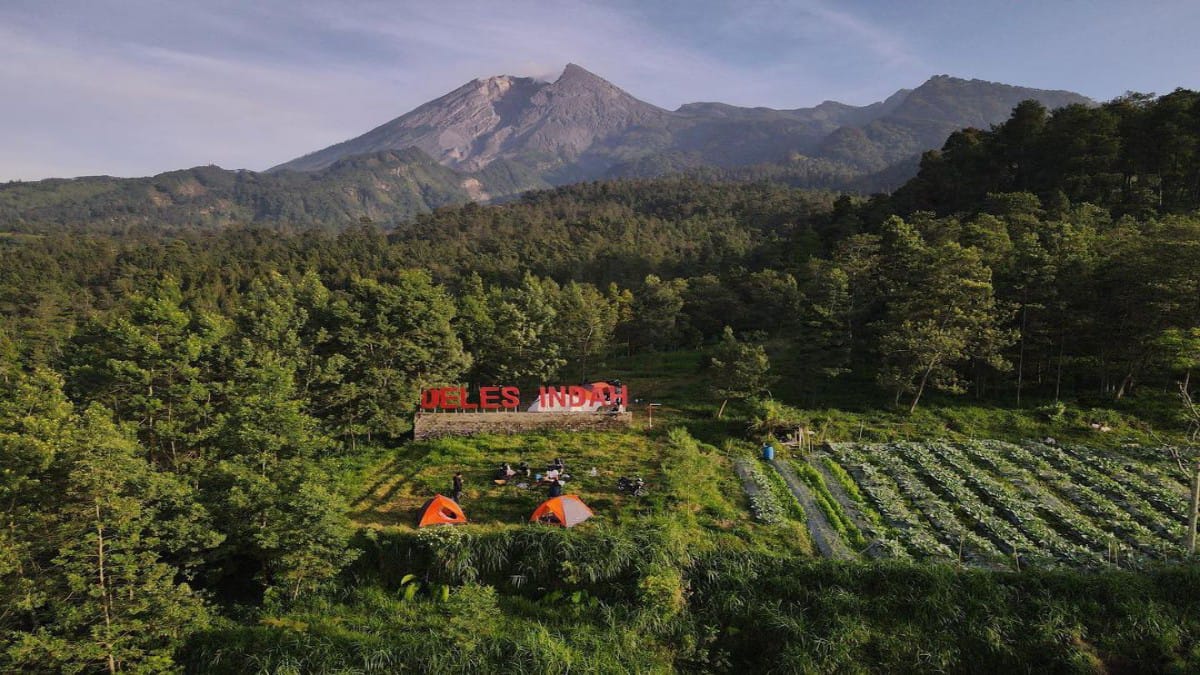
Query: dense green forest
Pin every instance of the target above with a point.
(182, 413)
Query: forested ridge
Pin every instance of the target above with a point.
(183, 413)
(492, 139)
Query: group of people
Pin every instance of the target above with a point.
(554, 478)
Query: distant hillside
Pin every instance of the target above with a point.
(497, 137)
(384, 187)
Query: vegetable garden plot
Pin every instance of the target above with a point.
(967, 534)
(911, 527)
(1035, 504)
(1137, 480)
(1007, 502)
(1123, 495)
(1064, 518)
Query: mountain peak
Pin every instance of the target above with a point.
(580, 126)
(576, 78)
(576, 72)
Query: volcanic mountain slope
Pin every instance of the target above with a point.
(497, 137)
(582, 127)
(542, 124)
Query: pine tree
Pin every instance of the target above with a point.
(272, 500)
(941, 313)
(390, 341)
(149, 369)
(110, 602)
(739, 369)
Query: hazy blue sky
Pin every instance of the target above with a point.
(141, 86)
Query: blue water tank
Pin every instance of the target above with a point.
(768, 452)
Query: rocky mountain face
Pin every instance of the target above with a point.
(505, 117)
(582, 127)
(497, 137)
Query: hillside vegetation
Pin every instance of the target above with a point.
(207, 462)
(494, 138)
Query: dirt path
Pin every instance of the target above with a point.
(825, 538)
(741, 466)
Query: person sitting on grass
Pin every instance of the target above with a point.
(503, 474)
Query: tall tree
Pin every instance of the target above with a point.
(941, 314)
(584, 323)
(392, 340)
(272, 499)
(655, 313)
(148, 367)
(739, 369)
(515, 335)
(109, 601)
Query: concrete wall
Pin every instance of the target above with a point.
(432, 425)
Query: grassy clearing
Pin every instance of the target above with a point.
(398, 485)
(692, 485)
(855, 410)
(962, 421)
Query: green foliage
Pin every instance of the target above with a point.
(829, 617)
(517, 335)
(262, 384)
(147, 369)
(851, 489)
(655, 313)
(283, 518)
(388, 342)
(940, 311)
(829, 506)
(97, 588)
(1132, 154)
(739, 368)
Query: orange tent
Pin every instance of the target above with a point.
(441, 511)
(567, 511)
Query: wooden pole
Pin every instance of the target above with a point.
(1195, 509)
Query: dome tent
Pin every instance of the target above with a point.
(441, 511)
(565, 511)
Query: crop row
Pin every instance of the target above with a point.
(912, 526)
(1134, 515)
(766, 503)
(991, 502)
(1140, 480)
(1009, 505)
(829, 506)
(1029, 488)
